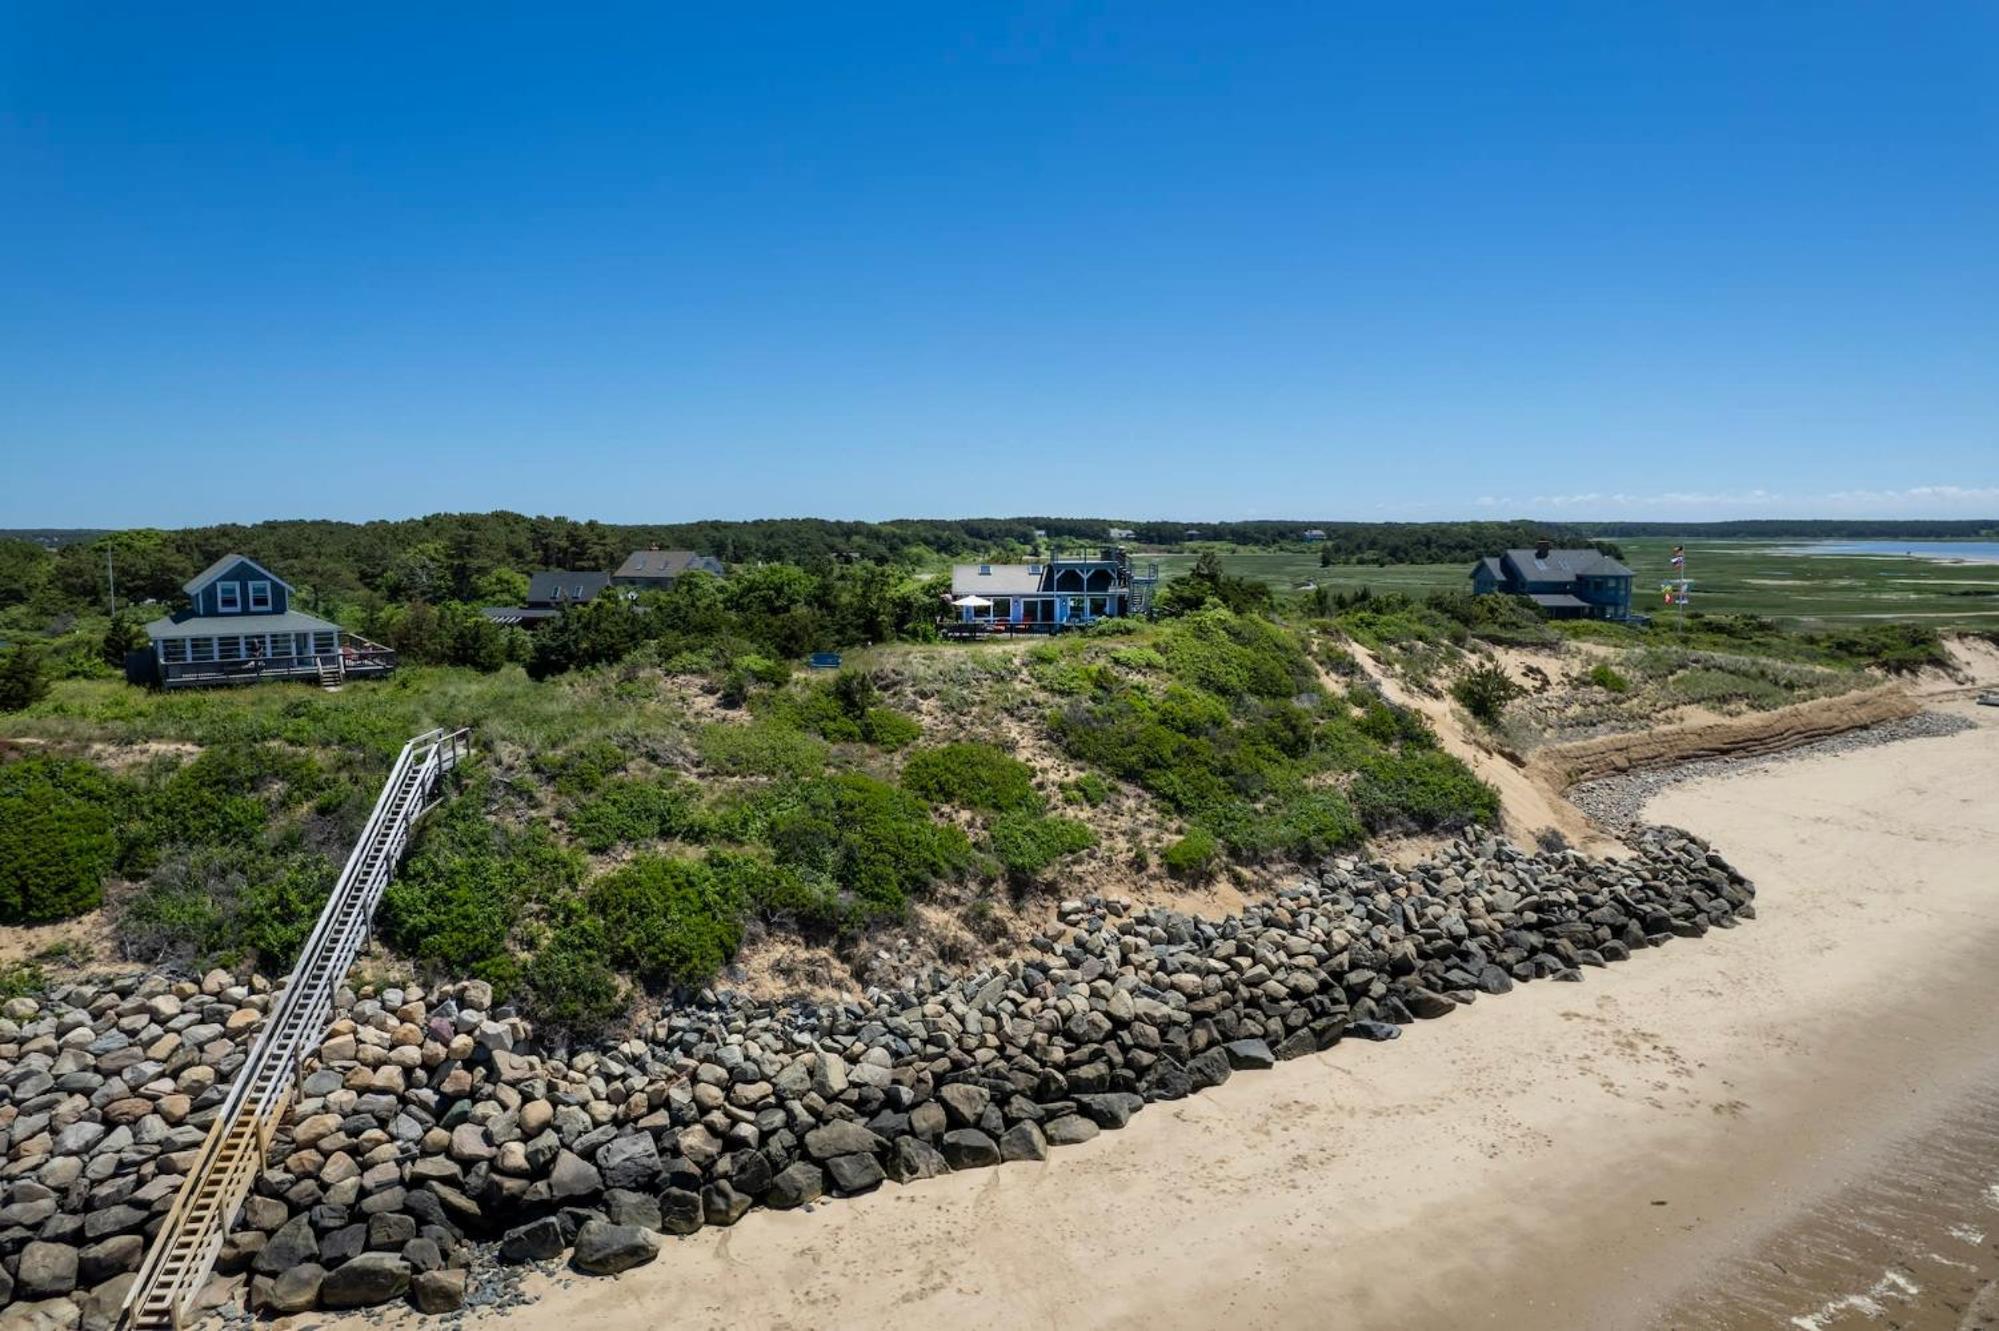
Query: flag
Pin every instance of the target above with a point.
(1679, 556)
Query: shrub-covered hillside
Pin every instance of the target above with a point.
(631, 825)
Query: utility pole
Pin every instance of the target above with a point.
(111, 577)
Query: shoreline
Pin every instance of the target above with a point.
(1499, 1169)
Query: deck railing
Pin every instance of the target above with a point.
(368, 661)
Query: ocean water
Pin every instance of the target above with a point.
(1912, 1245)
(1983, 552)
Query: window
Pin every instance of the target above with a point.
(228, 598)
(985, 570)
(173, 650)
(260, 596)
(201, 649)
(229, 648)
(1002, 607)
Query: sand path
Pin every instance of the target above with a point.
(1565, 1156)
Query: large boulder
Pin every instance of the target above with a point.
(438, 1291)
(536, 1241)
(46, 1270)
(294, 1290)
(604, 1249)
(370, 1279)
(968, 1148)
(293, 1244)
(841, 1137)
(630, 1161)
(854, 1173)
(795, 1185)
(913, 1158)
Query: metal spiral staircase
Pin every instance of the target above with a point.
(190, 1239)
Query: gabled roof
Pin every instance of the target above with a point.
(194, 585)
(556, 584)
(1491, 565)
(996, 579)
(664, 564)
(1569, 563)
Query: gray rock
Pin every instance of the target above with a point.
(46, 1270)
(854, 1173)
(604, 1249)
(795, 1185)
(680, 1211)
(841, 1137)
(292, 1290)
(968, 1148)
(438, 1291)
(1023, 1141)
(622, 1206)
(912, 1158)
(630, 1161)
(370, 1279)
(294, 1243)
(574, 1177)
(1069, 1130)
(1254, 1054)
(536, 1241)
(721, 1204)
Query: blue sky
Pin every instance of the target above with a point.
(1146, 260)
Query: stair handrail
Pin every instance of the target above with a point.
(441, 751)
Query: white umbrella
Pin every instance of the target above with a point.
(973, 603)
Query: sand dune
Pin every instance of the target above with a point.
(1564, 1156)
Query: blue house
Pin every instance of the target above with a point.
(240, 627)
(1565, 584)
(1045, 595)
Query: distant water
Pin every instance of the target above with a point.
(1983, 552)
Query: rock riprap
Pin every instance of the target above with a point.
(430, 1136)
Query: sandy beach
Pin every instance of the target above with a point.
(1603, 1155)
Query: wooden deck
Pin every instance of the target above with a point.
(367, 664)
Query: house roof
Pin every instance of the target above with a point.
(188, 625)
(1557, 601)
(1491, 565)
(664, 564)
(519, 614)
(561, 585)
(1569, 563)
(194, 585)
(995, 580)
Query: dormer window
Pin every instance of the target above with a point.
(228, 598)
(260, 596)
(985, 570)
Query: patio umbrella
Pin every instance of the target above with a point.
(973, 603)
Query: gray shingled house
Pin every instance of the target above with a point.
(1564, 584)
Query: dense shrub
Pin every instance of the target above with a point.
(1606, 677)
(1421, 790)
(467, 889)
(1027, 843)
(568, 985)
(23, 681)
(667, 921)
(972, 776)
(630, 812)
(761, 748)
(1194, 856)
(877, 844)
(886, 728)
(57, 839)
(1484, 691)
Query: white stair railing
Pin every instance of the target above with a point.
(190, 1239)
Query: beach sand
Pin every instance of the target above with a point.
(1621, 1153)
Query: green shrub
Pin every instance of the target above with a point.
(972, 776)
(23, 681)
(21, 979)
(876, 843)
(886, 728)
(761, 748)
(57, 839)
(1421, 790)
(630, 812)
(580, 769)
(1484, 691)
(1089, 788)
(1027, 843)
(1605, 677)
(460, 902)
(568, 984)
(667, 921)
(1193, 857)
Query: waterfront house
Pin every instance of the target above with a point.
(1044, 595)
(240, 626)
(1564, 584)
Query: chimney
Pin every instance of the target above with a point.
(1541, 548)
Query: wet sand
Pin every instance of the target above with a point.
(1690, 1139)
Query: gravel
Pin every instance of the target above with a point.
(1619, 801)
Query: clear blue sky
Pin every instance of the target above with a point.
(1145, 260)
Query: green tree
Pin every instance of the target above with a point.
(22, 681)
(122, 635)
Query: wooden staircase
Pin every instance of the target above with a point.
(332, 672)
(189, 1240)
